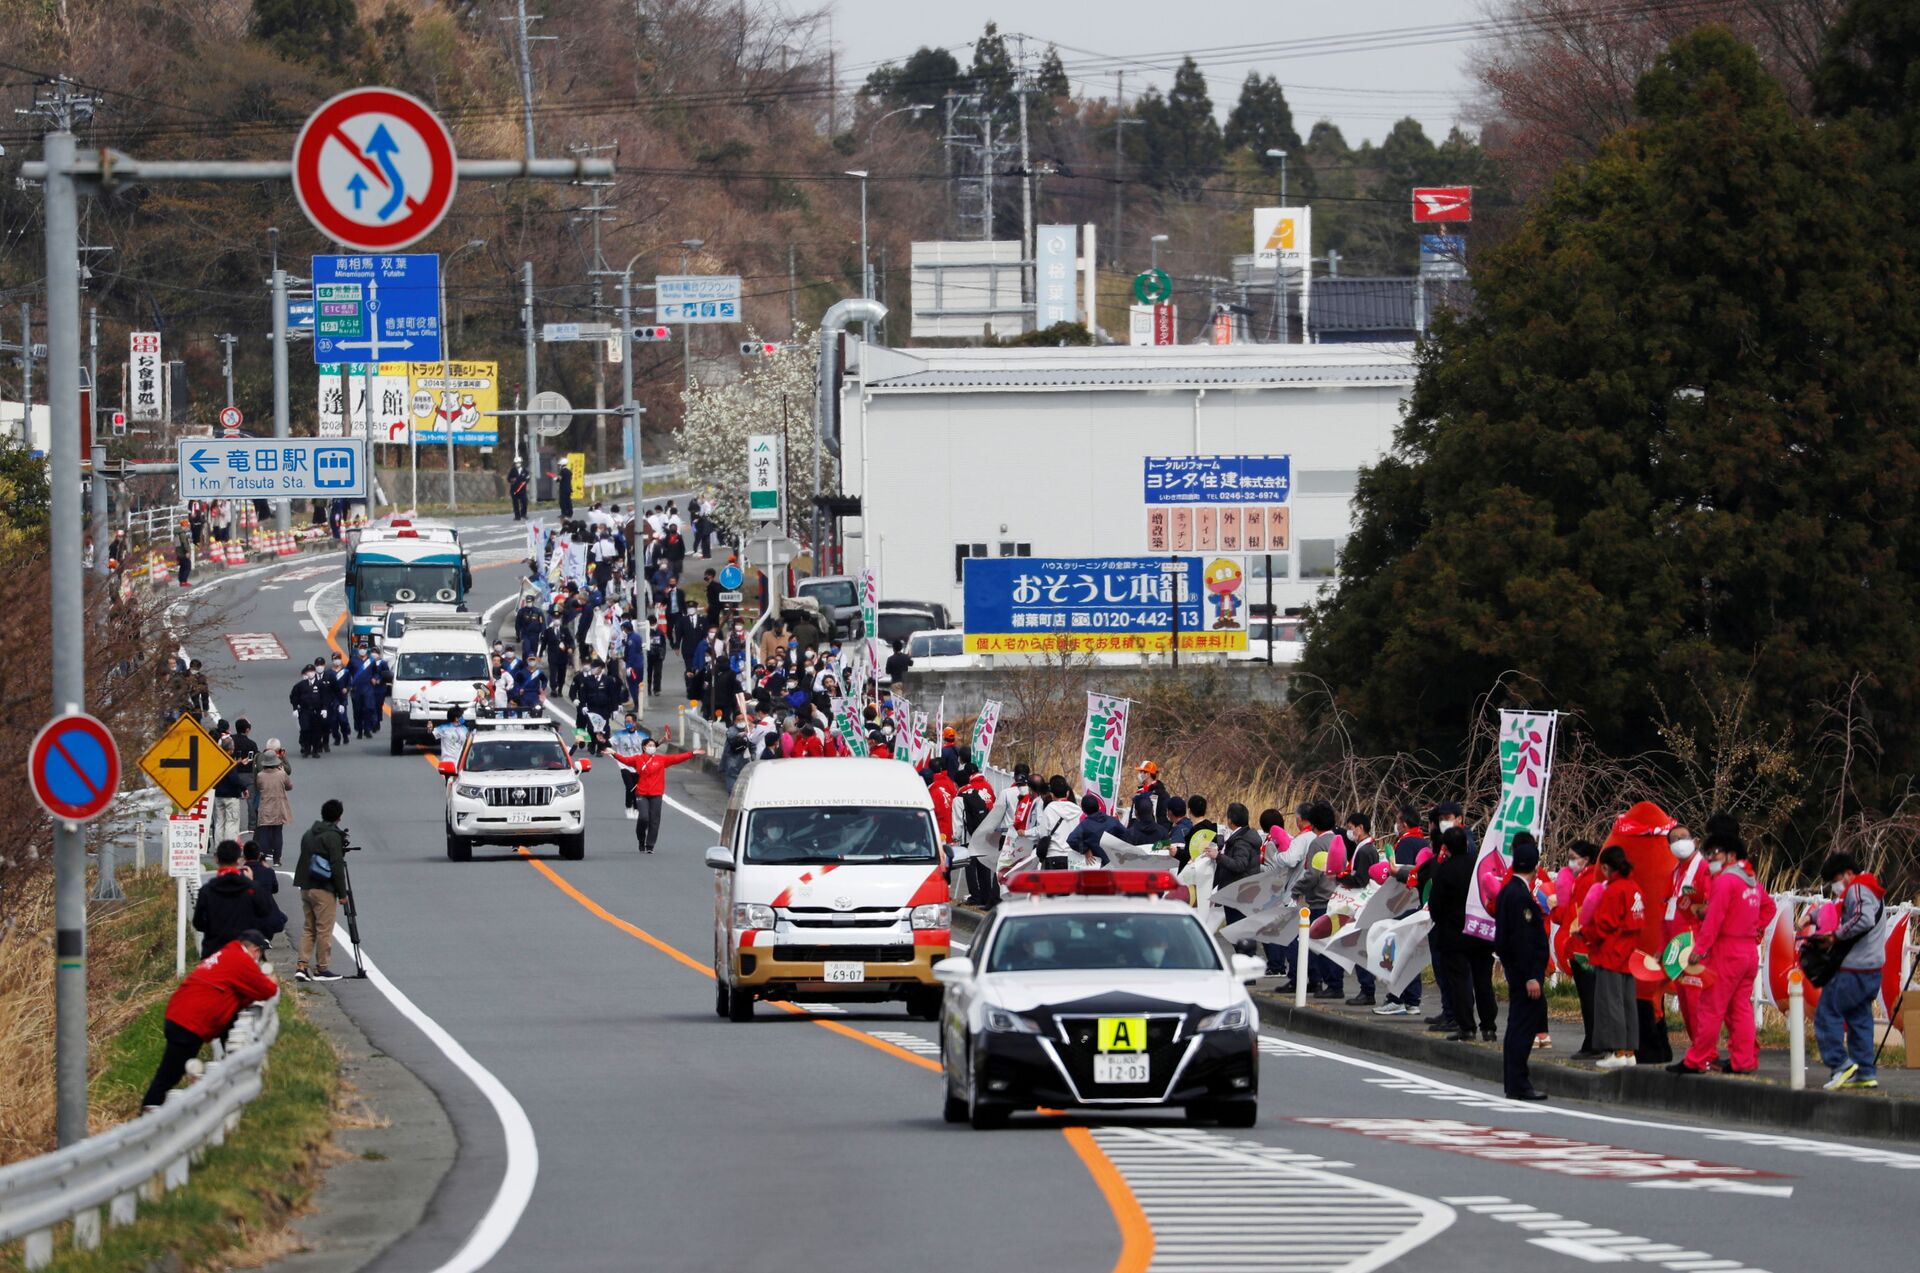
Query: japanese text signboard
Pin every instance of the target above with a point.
(697, 298)
(1033, 605)
(1218, 479)
(144, 370)
(1054, 276)
(369, 306)
(1103, 745)
(763, 478)
(272, 468)
(1218, 503)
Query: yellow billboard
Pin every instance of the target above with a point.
(456, 397)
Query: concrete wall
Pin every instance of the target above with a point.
(476, 485)
(968, 689)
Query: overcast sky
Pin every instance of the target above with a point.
(1362, 90)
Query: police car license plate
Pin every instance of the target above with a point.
(840, 971)
(1121, 1069)
(519, 819)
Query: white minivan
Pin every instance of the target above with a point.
(830, 886)
(435, 668)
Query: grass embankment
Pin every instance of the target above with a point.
(241, 1194)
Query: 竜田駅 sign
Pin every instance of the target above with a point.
(1038, 605)
(272, 468)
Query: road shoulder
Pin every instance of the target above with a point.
(393, 1146)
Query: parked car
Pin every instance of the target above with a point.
(934, 608)
(838, 597)
(1284, 635)
(942, 649)
(898, 622)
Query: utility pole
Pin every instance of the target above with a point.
(520, 21)
(1120, 125)
(59, 105)
(793, 294)
(1029, 289)
(282, 514)
(533, 381)
(26, 369)
(595, 214)
(228, 339)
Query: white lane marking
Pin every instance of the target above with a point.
(1214, 1202)
(1600, 1246)
(309, 625)
(1715, 1184)
(523, 1152)
(822, 1009)
(268, 587)
(1450, 1092)
(911, 1042)
(299, 606)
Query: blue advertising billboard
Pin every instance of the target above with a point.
(1035, 605)
(1218, 479)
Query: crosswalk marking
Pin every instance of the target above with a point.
(1593, 1244)
(911, 1042)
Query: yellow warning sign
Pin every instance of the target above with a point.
(186, 761)
(1123, 1034)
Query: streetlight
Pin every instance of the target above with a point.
(917, 109)
(866, 273)
(1282, 326)
(446, 376)
(686, 360)
(1157, 240)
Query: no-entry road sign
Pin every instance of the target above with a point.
(374, 169)
(74, 767)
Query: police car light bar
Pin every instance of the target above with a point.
(1148, 883)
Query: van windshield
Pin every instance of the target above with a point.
(839, 834)
(441, 665)
(830, 592)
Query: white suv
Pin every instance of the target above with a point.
(516, 783)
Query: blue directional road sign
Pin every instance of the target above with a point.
(300, 315)
(376, 308)
(272, 468)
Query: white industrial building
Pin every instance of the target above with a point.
(959, 453)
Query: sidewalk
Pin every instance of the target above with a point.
(1892, 1111)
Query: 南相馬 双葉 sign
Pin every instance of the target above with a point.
(1035, 605)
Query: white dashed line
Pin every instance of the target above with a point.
(1595, 1245)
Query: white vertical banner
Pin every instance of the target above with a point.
(870, 602)
(764, 467)
(1526, 768)
(1054, 294)
(984, 728)
(1283, 237)
(144, 372)
(1103, 743)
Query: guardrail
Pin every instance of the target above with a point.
(622, 479)
(707, 737)
(144, 1158)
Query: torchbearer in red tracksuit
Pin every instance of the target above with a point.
(1686, 903)
(649, 788)
(1727, 949)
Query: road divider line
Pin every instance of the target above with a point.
(1136, 1234)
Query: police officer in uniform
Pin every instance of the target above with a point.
(517, 488)
(1520, 939)
(309, 701)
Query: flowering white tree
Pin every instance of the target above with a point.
(775, 396)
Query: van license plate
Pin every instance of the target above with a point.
(519, 819)
(1121, 1069)
(846, 971)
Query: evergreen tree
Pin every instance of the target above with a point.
(1667, 458)
(993, 76)
(922, 80)
(308, 30)
(1050, 81)
(1180, 146)
(1262, 121)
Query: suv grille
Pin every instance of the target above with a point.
(865, 954)
(519, 797)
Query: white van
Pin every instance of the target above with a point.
(435, 666)
(830, 886)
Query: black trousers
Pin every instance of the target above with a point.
(983, 885)
(1480, 968)
(1466, 969)
(182, 1046)
(646, 832)
(628, 778)
(1526, 1017)
(1583, 983)
(519, 505)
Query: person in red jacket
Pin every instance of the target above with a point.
(944, 793)
(1612, 939)
(1575, 956)
(205, 1005)
(807, 744)
(649, 788)
(1727, 945)
(1686, 904)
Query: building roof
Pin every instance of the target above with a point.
(1120, 367)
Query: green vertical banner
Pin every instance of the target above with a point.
(984, 728)
(870, 602)
(1103, 743)
(843, 725)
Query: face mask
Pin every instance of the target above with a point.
(1716, 866)
(1838, 888)
(651, 749)
(1446, 824)
(1682, 849)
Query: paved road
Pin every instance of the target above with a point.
(608, 1120)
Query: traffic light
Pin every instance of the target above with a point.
(653, 335)
(120, 424)
(758, 348)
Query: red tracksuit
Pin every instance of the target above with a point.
(650, 772)
(217, 988)
(1728, 943)
(1691, 881)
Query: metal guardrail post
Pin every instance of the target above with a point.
(1300, 960)
(1796, 1030)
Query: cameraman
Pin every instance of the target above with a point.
(321, 878)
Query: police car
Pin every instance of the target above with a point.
(1089, 988)
(515, 783)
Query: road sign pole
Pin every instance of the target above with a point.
(626, 387)
(68, 627)
(282, 510)
(533, 386)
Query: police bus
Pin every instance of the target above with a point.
(402, 562)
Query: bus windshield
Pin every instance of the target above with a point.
(405, 581)
(839, 834)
